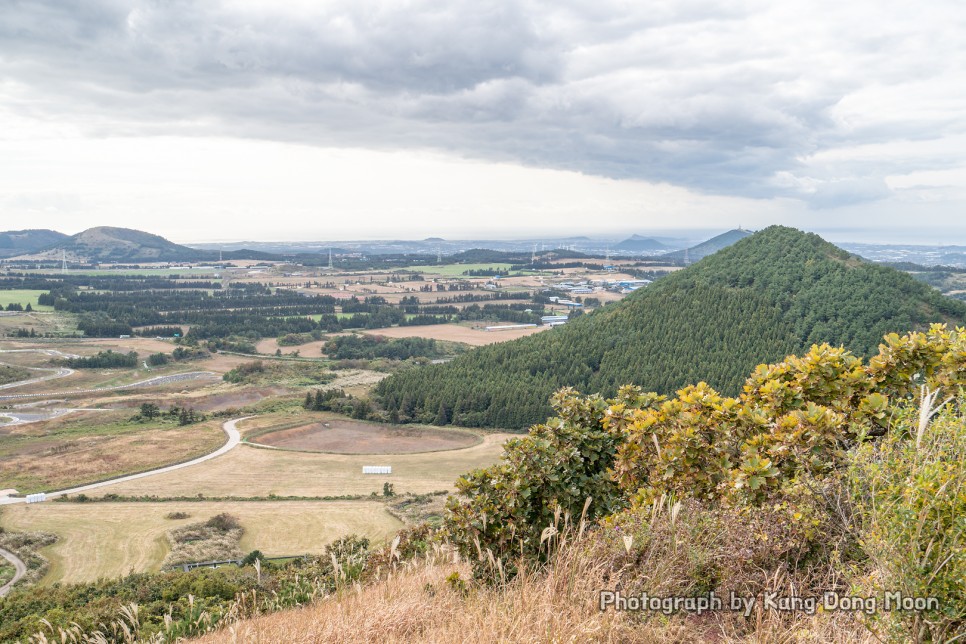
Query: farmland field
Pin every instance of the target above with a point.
(257, 471)
(457, 333)
(89, 446)
(113, 539)
(353, 437)
(23, 297)
(456, 270)
(59, 441)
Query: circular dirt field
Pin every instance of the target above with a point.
(350, 437)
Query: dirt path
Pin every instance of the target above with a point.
(24, 415)
(20, 569)
(234, 439)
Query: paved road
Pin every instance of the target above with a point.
(20, 569)
(234, 438)
(56, 373)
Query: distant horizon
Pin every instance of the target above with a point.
(847, 236)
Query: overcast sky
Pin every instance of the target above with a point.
(356, 119)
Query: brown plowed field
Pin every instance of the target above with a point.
(348, 437)
(457, 333)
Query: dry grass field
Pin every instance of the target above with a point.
(313, 349)
(353, 437)
(90, 446)
(258, 471)
(113, 539)
(457, 333)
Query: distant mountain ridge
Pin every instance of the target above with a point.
(112, 244)
(639, 244)
(17, 242)
(766, 296)
(709, 247)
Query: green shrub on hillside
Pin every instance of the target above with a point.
(104, 360)
(548, 474)
(908, 492)
(779, 442)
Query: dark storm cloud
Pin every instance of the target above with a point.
(726, 98)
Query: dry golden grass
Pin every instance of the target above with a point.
(418, 604)
(253, 471)
(308, 350)
(457, 333)
(112, 539)
(92, 446)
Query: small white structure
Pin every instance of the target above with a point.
(505, 327)
(40, 497)
(377, 469)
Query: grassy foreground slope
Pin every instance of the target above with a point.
(769, 295)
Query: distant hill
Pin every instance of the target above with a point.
(709, 247)
(638, 244)
(766, 296)
(18, 242)
(110, 244)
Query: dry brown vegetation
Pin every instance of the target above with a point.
(457, 333)
(432, 601)
(353, 437)
(253, 471)
(216, 539)
(110, 539)
(92, 446)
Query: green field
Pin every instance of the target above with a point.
(455, 270)
(42, 322)
(23, 298)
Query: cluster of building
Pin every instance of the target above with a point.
(586, 288)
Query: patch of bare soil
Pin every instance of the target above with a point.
(458, 333)
(348, 437)
(233, 398)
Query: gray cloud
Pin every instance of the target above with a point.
(725, 98)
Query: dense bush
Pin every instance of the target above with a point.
(354, 347)
(908, 492)
(781, 442)
(104, 360)
(553, 471)
(244, 372)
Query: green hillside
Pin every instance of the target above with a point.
(111, 244)
(16, 242)
(768, 295)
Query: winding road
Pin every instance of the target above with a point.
(229, 427)
(62, 372)
(20, 569)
